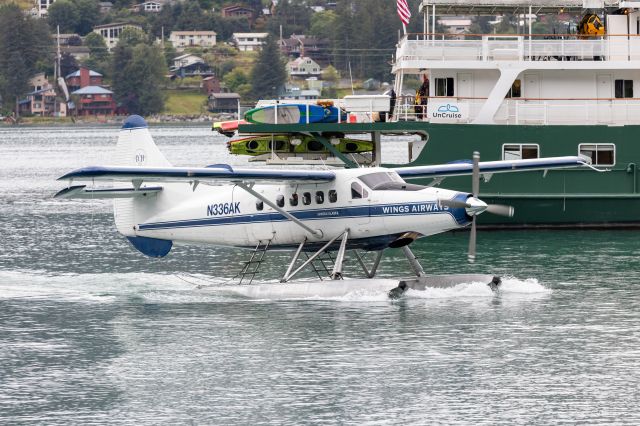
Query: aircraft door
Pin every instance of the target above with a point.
(260, 227)
(360, 202)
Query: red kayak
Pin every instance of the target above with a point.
(228, 128)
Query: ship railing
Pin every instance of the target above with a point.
(545, 111)
(516, 47)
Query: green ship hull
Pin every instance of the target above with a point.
(569, 198)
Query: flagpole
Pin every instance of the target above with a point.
(404, 27)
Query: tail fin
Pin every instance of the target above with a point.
(135, 148)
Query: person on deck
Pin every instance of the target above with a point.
(422, 97)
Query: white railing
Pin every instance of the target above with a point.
(535, 111)
(517, 48)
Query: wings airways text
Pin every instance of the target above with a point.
(413, 208)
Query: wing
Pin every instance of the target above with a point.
(489, 167)
(220, 173)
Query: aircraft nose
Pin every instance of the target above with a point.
(475, 206)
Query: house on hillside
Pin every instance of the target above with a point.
(90, 97)
(111, 32)
(301, 45)
(182, 39)
(147, 6)
(189, 65)
(303, 67)
(223, 102)
(42, 7)
(295, 94)
(246, 42)
(210, 84)
(42, 100)
(238, 11)
(82, 78)
(94, 100)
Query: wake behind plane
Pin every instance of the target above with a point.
(303, 210)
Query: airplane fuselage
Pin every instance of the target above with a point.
(230, 216)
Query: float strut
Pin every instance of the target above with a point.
(374, 268)
(293, 261)
(336, 274)
(311, 259)
(413, 261)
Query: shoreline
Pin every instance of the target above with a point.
(157, 119)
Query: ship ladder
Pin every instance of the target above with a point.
(252, 266)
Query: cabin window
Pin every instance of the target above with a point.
(601, 154)
(259, 205)
(356, 190)
(319, 197)
(333, 196)
(306, 198)
(444, 86)
(516, 90)
(280, 201)
(520, 151)
(294, 199)
(624, 88)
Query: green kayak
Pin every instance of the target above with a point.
(258, 145)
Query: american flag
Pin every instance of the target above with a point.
(403, 11)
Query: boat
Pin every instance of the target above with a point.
(227, 128)
(285, 143)
(512, 96)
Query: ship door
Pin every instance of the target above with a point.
(605, 93)
(532, 86)
(465, 85)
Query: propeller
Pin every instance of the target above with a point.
(477, 206)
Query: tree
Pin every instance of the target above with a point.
(68, 64)
(74, 16)
(25, 43)
(63, 13)
(138, 72)
(98, 53)
(269, 73)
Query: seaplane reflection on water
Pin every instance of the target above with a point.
(305, 211)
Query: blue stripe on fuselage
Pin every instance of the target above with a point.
(376, 210)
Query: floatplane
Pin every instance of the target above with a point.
(308, 211)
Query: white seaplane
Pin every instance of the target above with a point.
(306, 211)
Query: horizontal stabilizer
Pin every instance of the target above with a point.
(81, 191)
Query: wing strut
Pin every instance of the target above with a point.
(315, 232)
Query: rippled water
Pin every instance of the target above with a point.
(93, 332)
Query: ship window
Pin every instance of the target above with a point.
(333, 196)
(601, 154)
(294, 199)
(444, 86)
(624, 88)
(516, 90)
(319, 197)
(520, 151)
(306, 198)
(259, 205)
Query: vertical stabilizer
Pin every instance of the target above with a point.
(135, 148)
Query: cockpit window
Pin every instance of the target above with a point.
(373, 180)
(388, 181)
(357, 191)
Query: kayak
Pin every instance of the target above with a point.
(258, 145)
(287, 114)
(227, 128)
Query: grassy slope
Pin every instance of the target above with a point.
(185, 102)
